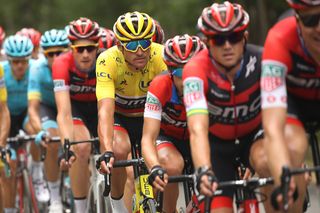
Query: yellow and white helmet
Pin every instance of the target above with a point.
(134, 26)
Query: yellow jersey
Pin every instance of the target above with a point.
(3, 90)
(128, 88)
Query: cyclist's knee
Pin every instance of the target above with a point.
(121, 148)
(258, 159)
(172, 162)
(297, 143)
(82, 151)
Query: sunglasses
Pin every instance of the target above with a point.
(19, 61)
(52, 53)
(310, 20)
(133, 46)
(82, 48)
(177, 72)
(233, 38)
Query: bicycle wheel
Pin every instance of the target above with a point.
(29, 199)
(150, 206)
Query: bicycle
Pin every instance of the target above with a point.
(65, 187)
(96, 201)
(144, 200)
(26, 196)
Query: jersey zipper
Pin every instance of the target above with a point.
(233, 98)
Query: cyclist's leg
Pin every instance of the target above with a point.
(79, 171)
(37, 172)
(223, 154)
(9, 186)
(172, 161)
(51, 168)
(129, 189)
(121, 149)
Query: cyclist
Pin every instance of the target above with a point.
(108, 38)
(35, 36)
(4, 123)
(16, 71)
(158, 36)
(222, 97)
(124, 73)
(2, 37)
(165, 140)
(290, 91)
(42, 108)
(74, 80)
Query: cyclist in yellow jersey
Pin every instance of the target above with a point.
(124, 73)
(4, 122)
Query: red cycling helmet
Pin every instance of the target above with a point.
(84, 28)
(158, 36)
(2, 35)
(303, 4)
(33, 34)
(223, 18)
(107, 39)
(179, 49)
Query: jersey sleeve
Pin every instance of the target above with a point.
(158, 93)
(106, 68)
(3, 90)
(34, 92)
(194, 90)
(276, 60)
(60, 73)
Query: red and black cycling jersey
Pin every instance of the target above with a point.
(163, 103)
(66, 76)
(233, 107)
(287, 67)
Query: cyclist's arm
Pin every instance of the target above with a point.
(105, 124)
(274, 114)
(277, 152)
(4, 123)
(64, 116)
(198, 125)
(33, 112)
(151, 129)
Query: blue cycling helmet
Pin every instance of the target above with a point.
(18, 46)
(54, 38)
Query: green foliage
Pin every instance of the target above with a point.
(175, 16)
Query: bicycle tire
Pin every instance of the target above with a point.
(28, 196)
(150, 206)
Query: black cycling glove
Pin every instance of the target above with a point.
(201, 171)
(156, 171)
(104, 157)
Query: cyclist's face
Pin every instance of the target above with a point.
(52, 52)
(229, 52)
(310, 34)
(84, 53)
(138, 59)
(19, 67)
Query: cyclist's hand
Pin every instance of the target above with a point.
(39, 139)
(65, 164)
(277, 196)
(206, 181)
(105, 162)
(246, 174)
(158, 178)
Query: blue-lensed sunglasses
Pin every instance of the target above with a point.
(133, 46)
(177, 72)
